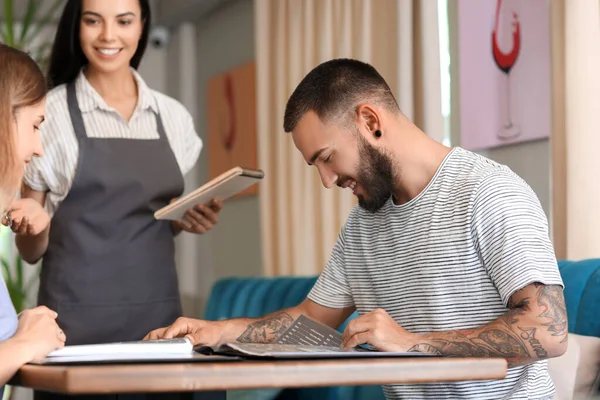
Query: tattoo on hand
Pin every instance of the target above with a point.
(266, 330)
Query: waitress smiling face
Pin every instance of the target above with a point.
(110, 31)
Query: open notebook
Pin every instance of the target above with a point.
(163, 350)
(162, 346)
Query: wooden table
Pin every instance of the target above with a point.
(230, 375)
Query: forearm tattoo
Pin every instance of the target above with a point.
(508, 337)
(552, 300)
(266, 330)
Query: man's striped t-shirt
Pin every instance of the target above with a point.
(448, 259)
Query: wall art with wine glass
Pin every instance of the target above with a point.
(504, 72)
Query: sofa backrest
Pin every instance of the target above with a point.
(254, 297)
(582, 295)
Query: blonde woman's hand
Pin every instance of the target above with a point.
(26, 217)
(39, 332)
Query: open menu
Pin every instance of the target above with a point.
(305, 338)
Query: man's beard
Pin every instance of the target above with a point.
(375, 176)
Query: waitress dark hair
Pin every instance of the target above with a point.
(67, 58)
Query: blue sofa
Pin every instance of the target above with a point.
(254, 297)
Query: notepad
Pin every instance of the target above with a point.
(222, 187)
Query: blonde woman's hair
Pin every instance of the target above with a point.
(22, 84)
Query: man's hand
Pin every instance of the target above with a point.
(379, 330)
(206, 333)
(200, 218)
(534, 328)
(26, 216)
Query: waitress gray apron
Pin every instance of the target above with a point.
(109, 270)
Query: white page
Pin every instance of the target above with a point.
(122, 358)
(162, 346)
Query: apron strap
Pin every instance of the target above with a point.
(160, 127)
(77, 119)
(74, 111)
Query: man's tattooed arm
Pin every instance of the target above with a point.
(266, 330)
(269, 328)
(534, 328)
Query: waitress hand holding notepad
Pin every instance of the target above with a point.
(116, 152)
(200, 218)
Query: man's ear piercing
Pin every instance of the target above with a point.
(378, 133)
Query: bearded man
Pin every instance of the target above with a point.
(446, 252)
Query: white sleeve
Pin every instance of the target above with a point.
(510, 233)
(192, 143)
(53, 169)
(34, 178)
(331, 288)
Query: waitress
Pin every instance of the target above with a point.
(116, 151)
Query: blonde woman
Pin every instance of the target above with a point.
(34, 333)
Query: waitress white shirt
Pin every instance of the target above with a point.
(55, 170)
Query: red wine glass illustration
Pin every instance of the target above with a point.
(505, 62)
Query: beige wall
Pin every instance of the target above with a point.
(582, 124)
(196, 51)
(223, 39)
(531, 161)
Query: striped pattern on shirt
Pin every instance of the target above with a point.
(55, 170)
(448, 259)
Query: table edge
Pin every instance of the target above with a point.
(250, 374)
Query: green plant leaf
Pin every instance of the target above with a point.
(2, 34)
(16, 297)
(32, 8)
(16, 291)
(9, 37)
(44, 21)
(6, 270)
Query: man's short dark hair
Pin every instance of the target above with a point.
(334, 88)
